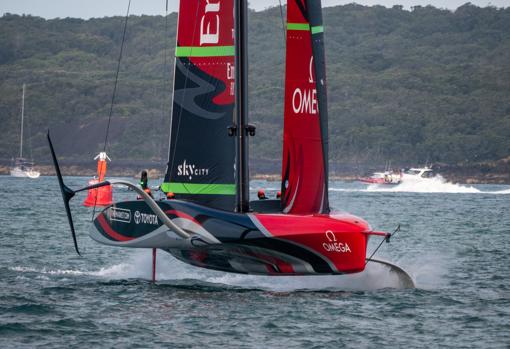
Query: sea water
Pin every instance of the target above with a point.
(454, 241)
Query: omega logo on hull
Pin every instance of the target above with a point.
(334, 246)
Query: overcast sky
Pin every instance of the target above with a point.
(101, 8)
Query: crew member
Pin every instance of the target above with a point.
(144, 183)
(261, 194)
(279, 195)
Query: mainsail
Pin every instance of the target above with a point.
(305, 143)
(201, 166)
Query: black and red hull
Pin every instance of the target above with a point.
(253, 243)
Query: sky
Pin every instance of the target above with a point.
(102, 8)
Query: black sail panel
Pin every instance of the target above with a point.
(201, 166)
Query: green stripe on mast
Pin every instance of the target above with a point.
(305, 27)
(318, 29)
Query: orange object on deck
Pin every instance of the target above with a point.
(101, 196)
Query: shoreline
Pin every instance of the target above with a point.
(451, 175)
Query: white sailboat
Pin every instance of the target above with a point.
(22, 167)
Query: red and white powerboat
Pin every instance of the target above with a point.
(386, 177)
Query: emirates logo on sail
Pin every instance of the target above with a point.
(210, 23)
(304, 101)
(190, 170)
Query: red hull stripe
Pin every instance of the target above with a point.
(259, 225)
(108, 230)
(183, 215)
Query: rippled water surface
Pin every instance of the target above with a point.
(454, 242)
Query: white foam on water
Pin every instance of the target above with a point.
(345, 189)
(430, 272)
(427, 271)
(430, 185)
(499, 192)
(170, 269)
(47, 272)
(436, 184)
(118, 271)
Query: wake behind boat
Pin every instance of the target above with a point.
(207, 218)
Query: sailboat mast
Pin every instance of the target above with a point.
(241, 68)
(22, 117)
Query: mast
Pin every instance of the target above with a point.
(241, 68)
(22, 117)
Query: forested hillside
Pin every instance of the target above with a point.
(406, 86)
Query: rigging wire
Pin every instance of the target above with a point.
(116, 77)
(113, 94)
(283, 21)
(29, 138)
(170, 168)
(166, 78)
(386, 239)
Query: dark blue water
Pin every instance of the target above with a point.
(454, 241)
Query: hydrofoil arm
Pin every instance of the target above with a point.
(68, 194)
(154, 207)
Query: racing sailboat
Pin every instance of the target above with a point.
(23, 167)
(210, 221)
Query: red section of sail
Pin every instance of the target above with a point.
(209, 23)
(303, 171)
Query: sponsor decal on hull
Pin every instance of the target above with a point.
(145, 218)
(335, 246)
(120, 215)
